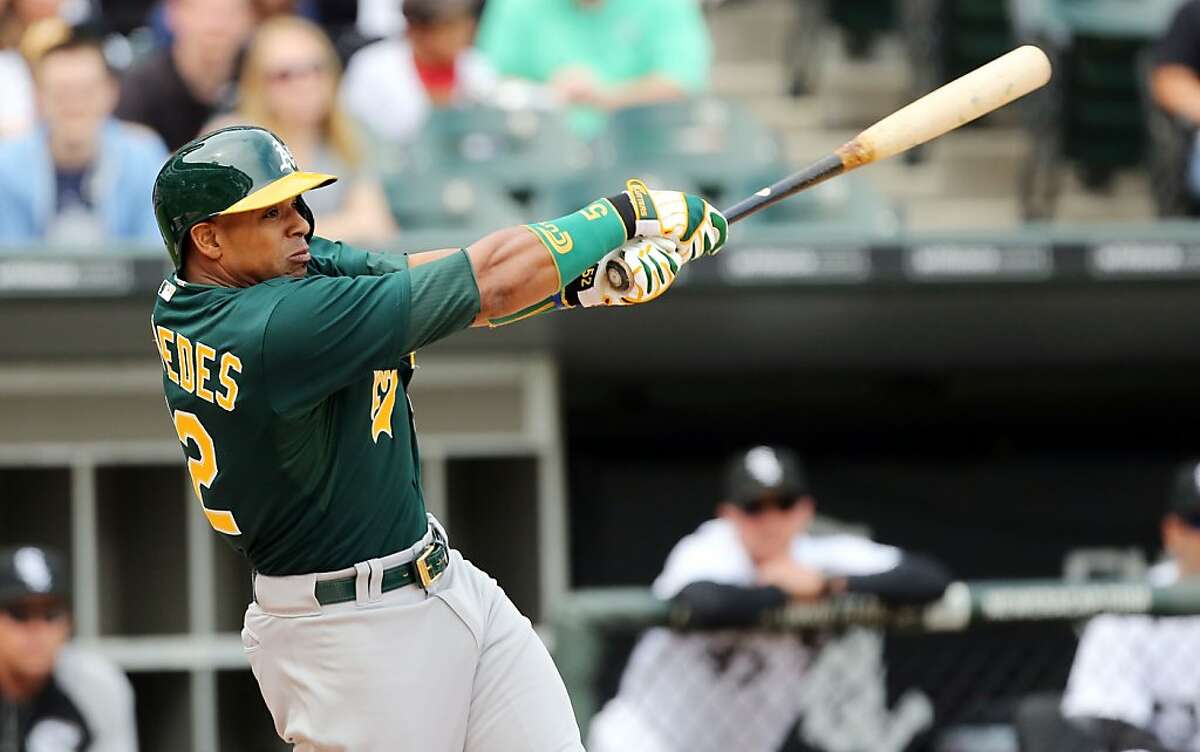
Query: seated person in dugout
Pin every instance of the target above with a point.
(53, 696)
(1134, 684)
(722, 686)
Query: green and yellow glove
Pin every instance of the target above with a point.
(697, 228)
(654, 263)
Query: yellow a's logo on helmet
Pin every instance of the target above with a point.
(383, 401)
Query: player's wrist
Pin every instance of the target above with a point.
(579, 240)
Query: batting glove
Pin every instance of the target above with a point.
(697, 228)
(653, 264)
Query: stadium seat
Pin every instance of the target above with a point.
(520, 151)
(946, 39)
(447, 210)
(711, 140)
(848, 203)
(862, 21)
(1091, 116)
(572, 193)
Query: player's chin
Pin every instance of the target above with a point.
(295, 266)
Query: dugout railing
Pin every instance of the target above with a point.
(974, 657)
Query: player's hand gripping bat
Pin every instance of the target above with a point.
(972, 96)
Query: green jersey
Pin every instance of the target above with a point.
(290, 400)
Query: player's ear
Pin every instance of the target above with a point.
(727, 510)
(204, 240)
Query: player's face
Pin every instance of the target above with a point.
(32, 631)
(263, 244)
(767, 529)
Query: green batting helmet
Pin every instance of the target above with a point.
(231, 170)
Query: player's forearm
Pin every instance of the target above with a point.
(512, 270)
(1176, 89)
(714, 605)
(916, 579)
(520, 269)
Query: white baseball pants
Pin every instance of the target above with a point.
(457, 669)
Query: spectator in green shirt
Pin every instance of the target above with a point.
(600, 55)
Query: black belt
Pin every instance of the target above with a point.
(424, 571)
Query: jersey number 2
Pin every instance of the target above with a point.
(204, 468)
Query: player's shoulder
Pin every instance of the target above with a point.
(845, 552)
(715, 542)
(81, 671)
(716, 533)
(99, 689)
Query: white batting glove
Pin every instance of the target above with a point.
(652, 265)
(697, 228)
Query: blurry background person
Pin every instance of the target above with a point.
(391, 85)
(80, 177)
(53, 697)
(22, 14)
(176, 90)
(17, 104)
(1175, 79)
(600, 55)
(1134, 683)
(289, 85)
(724, 690)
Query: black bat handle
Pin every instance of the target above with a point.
(817, 172)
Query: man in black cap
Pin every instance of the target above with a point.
(1134, 683)
(53, 698)
(746, 690)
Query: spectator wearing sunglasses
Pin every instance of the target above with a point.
(53, 696)
(738, 688)
(289, 85)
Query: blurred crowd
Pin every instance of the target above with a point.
(97, 92)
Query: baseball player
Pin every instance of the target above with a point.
(1134, 683)
(286, 361)
(725, 688)
(54, 697)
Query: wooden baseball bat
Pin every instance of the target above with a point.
(964, 99)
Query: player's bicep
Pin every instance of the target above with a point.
(445, 299)
(326, 332)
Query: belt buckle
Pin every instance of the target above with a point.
(426, 577)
